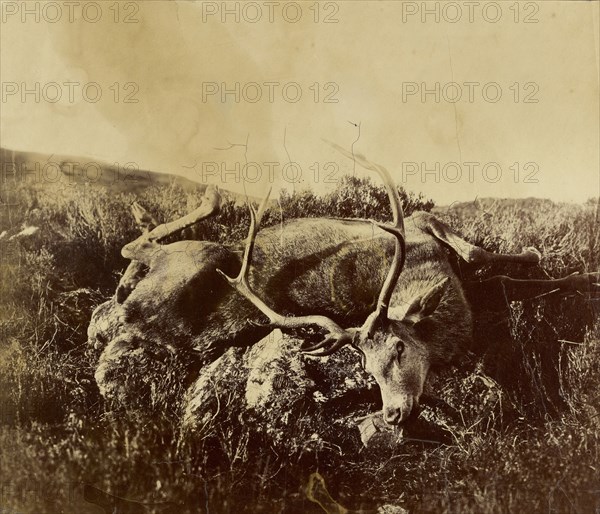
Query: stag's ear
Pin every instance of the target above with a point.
(425, 304)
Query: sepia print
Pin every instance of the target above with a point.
(299, 257)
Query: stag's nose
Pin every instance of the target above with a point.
(392, 416)
(397, 412)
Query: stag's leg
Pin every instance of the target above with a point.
(147, 245)
(467, 251)
(136, 269)
(496, 292)
(135, 272)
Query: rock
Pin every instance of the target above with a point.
(296, 402)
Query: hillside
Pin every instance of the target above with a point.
(52, 171)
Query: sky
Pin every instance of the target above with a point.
(457, 100)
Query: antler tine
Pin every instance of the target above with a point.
(143, 218)
(255, 219)
(396, 202)
(329, 345)
(241, 281)
(337, 336)
(397, 229)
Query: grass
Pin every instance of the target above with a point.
(537, 452)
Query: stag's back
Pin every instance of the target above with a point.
(337, 267)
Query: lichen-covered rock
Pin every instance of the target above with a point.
(297, 403)
(302, 404)
(134, 373)
(215, 397)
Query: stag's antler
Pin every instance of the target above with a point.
(397, 229)
(336, 337)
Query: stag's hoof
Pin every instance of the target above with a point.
(531, 254)
(583, 283)
(143, 218)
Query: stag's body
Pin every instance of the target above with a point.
(333, 267)
(303, 266)
(342, 276)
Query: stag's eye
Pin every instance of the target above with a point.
(399, 349)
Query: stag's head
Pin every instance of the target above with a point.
(393, 351)
(396, 353)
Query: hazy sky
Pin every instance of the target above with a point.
(539, 138)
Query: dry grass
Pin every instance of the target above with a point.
(56, 432)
